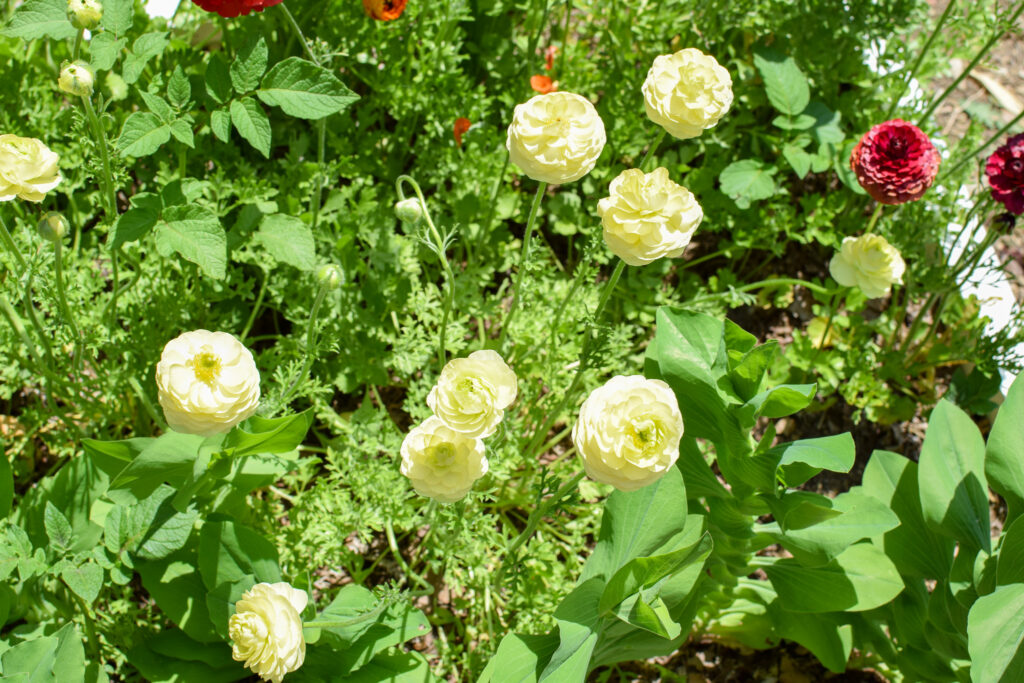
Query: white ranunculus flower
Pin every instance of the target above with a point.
(868, 262)
(440, 462)
(628, 432)
(28, 169)
(687, 92)
(207, 382)
(472, 393)
(555, 138)
(266, 630)
(648, 216)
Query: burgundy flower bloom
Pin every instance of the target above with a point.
(1005, 171)
(895, 162)
(234, 8)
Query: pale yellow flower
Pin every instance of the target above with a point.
(648, 216)
(208, 383)
(440, 462)
(628, 432)
(85, 13)
(555, 138)
(266, 630)
(472, 393)
(868, 262)
(687, 92)
(28, 169)
(77, 78)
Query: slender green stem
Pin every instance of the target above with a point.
(833, 304)
(297, 30)
(559, 310)
(486, 226)
(30, 310)
(973, 155)
(442, 256)
(874, 218)
(151, 409)
(109, 196)
(14, 320)
(69, 318)
(256, 307)
(775, 282)
(76, 50)
(918, 319)
(920, 58)
(967, 70)
(90, 624)
(523, 256)
(407, 571)
(311, 333)
(11, 246)
(652, 149)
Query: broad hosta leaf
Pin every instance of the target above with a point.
(643, 572)
(1010, 567)
(995, 636)
(951, 477)
(172, 656)
(861, 578)
(825, 635)
(289, 240)
(142, 134)
(784, 83)
(913, 547)
(195, 233)
(520, 658)
(228, 552)
(398, 667)
(249, 65)
(1004, 454)
(801, 460)
(168, 458)
(252, 123)
(305, 90)
(41, 19)
(278, 435)
(777, 402)
(176, 586)
(47, 659)
(578, 620)
(748, 180)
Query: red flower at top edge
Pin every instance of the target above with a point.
(1005, 171)
(895, 162)
(384, 10)
(234, 8)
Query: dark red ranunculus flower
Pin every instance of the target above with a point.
(1005, 171)
(895, 162)
(234, 8)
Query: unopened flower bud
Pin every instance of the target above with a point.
(329, 275)
(77, 78)
(117, 89)
(409, 210)
(85, 13)
(53, 227)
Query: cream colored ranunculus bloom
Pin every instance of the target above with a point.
(440, 462)
(555, 138)
(472, 393)
(28, 169)
(266, 630)
(207, 382)
(868, 262)
(648, 216)
(628, 432)
(687, 92)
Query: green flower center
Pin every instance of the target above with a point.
(205, 365)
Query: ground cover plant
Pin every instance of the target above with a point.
(403, 341)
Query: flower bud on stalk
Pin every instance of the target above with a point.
(409, 210)
(77, 78)
(85, 14)
(329, 275)
(53, 227)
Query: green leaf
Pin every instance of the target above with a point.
(951, 477)
(85, 580)
(168, 458)
(784, 83)
(252, 123)
(305, 90)
(158, 106)
(58, 528)
(218, 79)
(150, 529)
(1010, 567)
(747, 181)
(6, 485)
(803, 459)
(41, 19)
(578, 620)
(701, 481)
(117, 16)
(228, 552)
(249, 66)
(1004, 466)
(825, 635)
(995, 636)
(397, 667)
(644, 572)
(104, 49)
(289, 240)
(179, 90)
(777, 402)
(799, 122)
(176, 586)
(798, 159)
(278, 435)
(182, 131)
(220, 124)
(47, 659)
(520, 658)
(861, 578)
(171, 656)
(912, 546)
(146, 47)
(195, 233)
(143, 134)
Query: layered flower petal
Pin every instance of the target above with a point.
(687, 92)
(440, 462)
(266, 630)
(895, 162)
(472, 393)
(28, 169)
(868, 262)
(556, 138)
(1005, 173)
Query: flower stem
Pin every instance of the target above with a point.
(652, 149)
(256, 307)
(310, 343)
(11, 246)
(406, 569)
(832, 307)
(518, 283)
(65, 309)
(995, 136)
(78, 44)
(874, 218)
(920, 58)
(109, 197)
(494, 197)
(763, 284)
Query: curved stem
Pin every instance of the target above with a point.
(109, 197)
(10, 244)
(406, 570)
(874, 218)
(310, 343)
(763, 284)
(494, 196)
(65, 309)
(920, 58)
(524, 254)
(652, 149)
(995, 136)
(256, 307)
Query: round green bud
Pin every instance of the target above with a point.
(53, 227)
(85, 13)
(329, 275)
(77, 78)
(409, 210)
